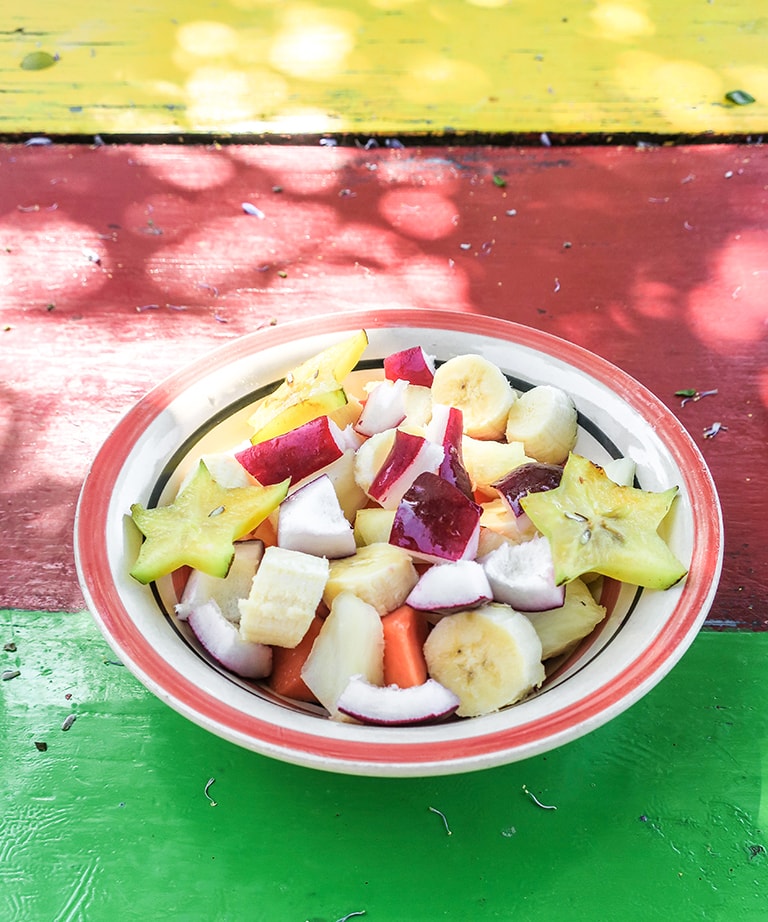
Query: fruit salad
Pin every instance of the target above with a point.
(417, 550)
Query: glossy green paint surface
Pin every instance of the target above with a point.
(659, 815)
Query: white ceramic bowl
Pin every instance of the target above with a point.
(203, 407)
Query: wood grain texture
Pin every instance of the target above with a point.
(114, 809)
(118, 265)
(389, 67)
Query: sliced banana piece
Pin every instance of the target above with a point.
(488, 657)
(544, 419)
(284, 596)
(479, 389)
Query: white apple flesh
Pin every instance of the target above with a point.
(312, 521)
(413, 365)
(391, 706)
(222, 640)
(446, 428)
(384, 408)
(409, 457)
(435, 522)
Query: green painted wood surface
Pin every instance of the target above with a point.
(661, 814)
(383, 67)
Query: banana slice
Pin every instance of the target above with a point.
(479, 389)
(284, 596)
(544, 420)
(488, 657)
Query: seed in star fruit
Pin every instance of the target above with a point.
(595, 525)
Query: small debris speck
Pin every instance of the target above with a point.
(252, 210)
(9, 674)
(41, 746)
(711, 431)
(740, 97)
(68, 721)
(9, 647)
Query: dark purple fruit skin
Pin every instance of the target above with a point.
(434, 517)
(534, 477)
(401, 456)
(452, 469)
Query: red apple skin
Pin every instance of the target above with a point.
(435, 520)
(534, 477)
(404, 453)
(412, 365)
(296, 454)
(452, 469)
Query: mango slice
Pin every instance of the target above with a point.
(594, 525)
(200, 526)
(312, 389)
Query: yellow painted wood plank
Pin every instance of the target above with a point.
(384, 66)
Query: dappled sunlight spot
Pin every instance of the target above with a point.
(376, 247)
(237, 250)
(56, 256)
(730, 308)
(393, 4)
(304, 120)
(419, 213)
(655, 299)
(200, 170)
(207, 39)
(490, 4)
(218, 95)
(431, 78)
(625, 21)
(433, 281)
(682, 91)
(313, 43)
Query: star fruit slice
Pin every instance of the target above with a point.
(200, 526)
(312, 389)
(594, 525)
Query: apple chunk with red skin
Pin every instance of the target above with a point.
(412, 365)
(297, 454)
(408, 458)
(435, 522)
(446, 428)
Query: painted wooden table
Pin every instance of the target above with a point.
(119, 263)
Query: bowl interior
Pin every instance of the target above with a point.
(205, 407)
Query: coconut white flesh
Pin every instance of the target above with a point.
(312, 521)
(523, 575)
(222, 640)
(394, 706)
(451, 586)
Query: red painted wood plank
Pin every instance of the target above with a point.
(120, 264)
